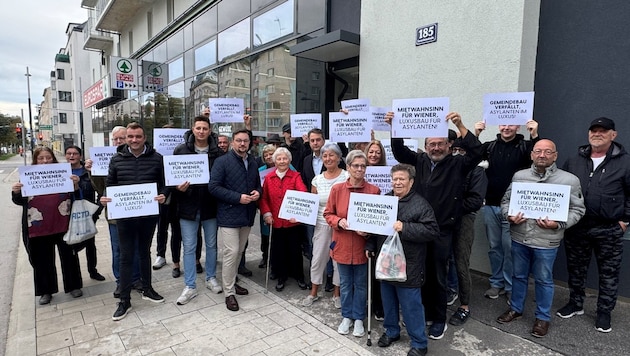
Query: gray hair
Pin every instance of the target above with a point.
(118, 128)
(331, 146)
(354, 154)
(281, 151)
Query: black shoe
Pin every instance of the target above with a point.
(45, 299)
(240, 290)
(117, 291)
(302, 284)
(385, 341)
(151, 295)
(272, 276)
(280, 285)
(262, 264)
(329, 284)
(176, 272)
(97, 276)
(76, 293)
(124, 307)
(243, 271)
(137, 285)
(199, 268)
(417, 352)
(460, 317)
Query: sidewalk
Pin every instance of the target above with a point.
(267, 324)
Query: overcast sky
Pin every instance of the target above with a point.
(33, 32)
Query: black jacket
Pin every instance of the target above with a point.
(475, 188)
(606, 190)
(126, 169)
(443, 185)
(419, 227)
(197, 198)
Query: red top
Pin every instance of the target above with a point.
(273, 194)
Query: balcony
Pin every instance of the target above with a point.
(96, 39)
(88, 4)
(116, 14)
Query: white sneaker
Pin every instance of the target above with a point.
(159, 262)
(344, 327)
(187, 295)
(358, 331)
(214, 285)
(308, 301)
(337, 302)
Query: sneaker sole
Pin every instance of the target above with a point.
(439, 336)
(187, 300)
(153, 300)
(567, 316)
(155, 268)
(358, 335)
(215, 291)
(117, 318)
(602, 330)
(342, 332)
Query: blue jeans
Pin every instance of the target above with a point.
(115, 242)
(189, 240)
(538, 262)
(410, 301)
(353, 290)
(498, 233)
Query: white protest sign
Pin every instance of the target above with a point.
(263, 174)
(42, 179)
(420, 117)
(299, 205)
(379, 176)
(226, 109)
(192, 168)
(389, 154)
(378, 118)
(165, 140)
(540, 200)
(353, 127)
(301, 124)
(100, 157)
(372, 213)
(133, 200)
(356, 104)
(508, 108)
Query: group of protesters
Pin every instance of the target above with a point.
(440, 190)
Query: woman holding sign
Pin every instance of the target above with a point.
(286, 254)
(348, 246)
(45, 220)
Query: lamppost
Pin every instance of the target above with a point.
(30, 112)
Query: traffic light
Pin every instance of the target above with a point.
(40, 136)
(18, 133)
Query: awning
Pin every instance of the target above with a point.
(332, 47)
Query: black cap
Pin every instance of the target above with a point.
(286, 128)
(452, 135)
(274, 138)
(603, 122)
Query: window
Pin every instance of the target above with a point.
(273, 24)
(239, 82)
(272, 105)
(255, 93)
(234, 41)
(206, 55)
(53, 84)
(315, 76)
(63, 118)
(55, 120)
(65, 96)
(61, 74)
(256, 77)
(149, 24)
(270, 89)
(270, 56)
(176, 69)
(54, 103)
(270, 72)
(273, 122)
(315, 91)
(228, 83)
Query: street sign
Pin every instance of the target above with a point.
(45, 127)
(124, 73)
(154, 76)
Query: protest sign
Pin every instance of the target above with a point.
(389, 154)
(133, 200)
(100, 157)
(193, 168)
(42, 179)
(263, 174)
(301, 124)
(299, 205)
(540, 200)
(372, 213)
(353, 127)
(356, 104)
(378, 118)
(380, 176)
(420, 117)
(508, 108)
(165, 140)
(226, 110)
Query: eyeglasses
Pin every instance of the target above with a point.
(118, 138)
(72, 154)
(358, 166)
(436, 144)
(238, 140)
(545, 152)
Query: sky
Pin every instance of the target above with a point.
(33, 32)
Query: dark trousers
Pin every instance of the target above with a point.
(605, 242)
(131, 231)
(42, 256)
(434, 291)
(90, 253)
(168, 216)
(286, 253)
(462, 247)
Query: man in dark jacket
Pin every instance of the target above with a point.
(440, 180)
(603, 167)
(136, 162)
(235, 183)
(506, 155)
(296, 145)
(416, 226)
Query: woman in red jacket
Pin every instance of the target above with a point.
(286, 255)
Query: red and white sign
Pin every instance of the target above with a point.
(94, 94)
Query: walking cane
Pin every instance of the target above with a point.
(268, 261)
(369, 331)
